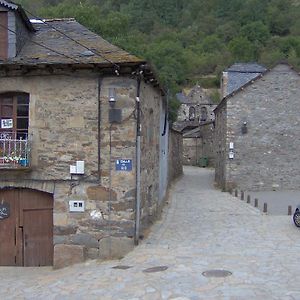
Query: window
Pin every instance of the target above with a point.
(203, 116)
(14, 115)
(192, 113)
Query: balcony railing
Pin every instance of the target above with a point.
(14, 151)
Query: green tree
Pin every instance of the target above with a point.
(242, 49)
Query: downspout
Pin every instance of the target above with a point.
(166, 115)
(99, 128)
(138, 165)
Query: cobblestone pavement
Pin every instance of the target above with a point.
(202, 229)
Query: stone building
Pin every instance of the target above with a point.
(84, 143)
(198, 146)
(196, 121)
(195, 108)
(257, 130)
(238, 75)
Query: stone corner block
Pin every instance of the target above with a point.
(115, 247)
(66, 255)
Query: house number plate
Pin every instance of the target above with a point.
(4, 211)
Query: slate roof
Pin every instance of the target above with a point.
(193, 133)
(250, 82)
(8, 4)
(33, 54)
(246, 68)
(240, 74)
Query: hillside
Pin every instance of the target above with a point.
(186, 40)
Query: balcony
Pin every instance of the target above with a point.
(14, 151)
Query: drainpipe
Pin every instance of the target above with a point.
(138, 165)
(99, 127)
(166, 114)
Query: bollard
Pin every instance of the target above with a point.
(255, 202)
(289, 210)
(265, 208)
(248, 199)
(242, 195)
(236, 193)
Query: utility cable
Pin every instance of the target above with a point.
(117, 67)
(41, 45)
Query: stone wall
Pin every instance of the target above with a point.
(150, 142)
(266, 156)
(175, 155)
(64, 112)
(184, 111)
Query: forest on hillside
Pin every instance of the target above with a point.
(189, 41)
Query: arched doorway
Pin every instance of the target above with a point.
(26, 228)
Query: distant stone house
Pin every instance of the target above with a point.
(83, 143)
(196, 121)
(257, 133)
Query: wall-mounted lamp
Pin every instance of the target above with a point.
(112, 97)
(244, 128)
(115, 114)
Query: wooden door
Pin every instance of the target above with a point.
(37, 237)
(8, 228)
(30, 229)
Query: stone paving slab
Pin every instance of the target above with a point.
(202, 229)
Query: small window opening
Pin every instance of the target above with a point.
(203, 116)
(192, 113)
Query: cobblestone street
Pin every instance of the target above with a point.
(202, 229)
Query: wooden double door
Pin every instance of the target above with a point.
(26, 228)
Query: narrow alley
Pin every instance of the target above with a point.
(202, 229)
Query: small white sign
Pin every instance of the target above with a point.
(7, 123)
(76, 206)
(231, 154)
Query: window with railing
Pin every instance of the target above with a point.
(14, 141)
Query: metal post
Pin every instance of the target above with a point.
(248, 199)
(265, 210)
(255, 202)
(236, 193)
(110, 194)
(289, 210)
(138, 167)
(242, 195)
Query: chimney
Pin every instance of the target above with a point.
(224, 85)
(3, 35)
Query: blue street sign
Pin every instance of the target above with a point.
(124, 165)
